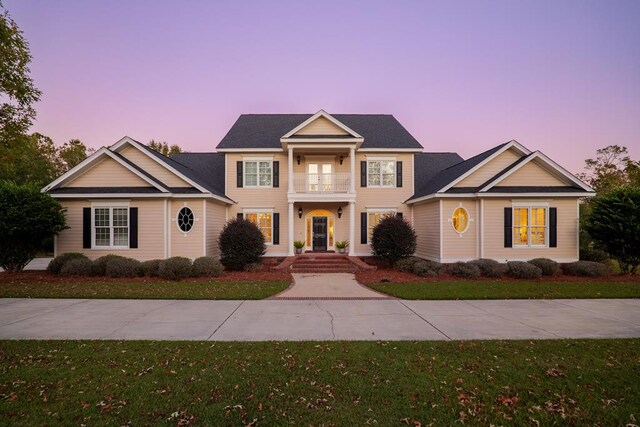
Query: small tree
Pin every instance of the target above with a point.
(241, 243)
(27, 218)
(393, 239)
(614, 226)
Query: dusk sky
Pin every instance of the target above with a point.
(562, 77)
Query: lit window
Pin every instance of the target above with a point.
(529, 226)
(374, 219)
(185, 219)
(111, 227)
(460, 220)
(258, 173)
(264, 222)
(381, 173)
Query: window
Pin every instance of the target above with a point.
(264, 221)
(111, 227)
(373, 218)
(258, 173)
(460, 220)
(529, 226)
(381, 173)
(185, 219)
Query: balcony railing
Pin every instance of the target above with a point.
(321, 182)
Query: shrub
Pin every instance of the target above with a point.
(406, 264)
(241, 242)
(595, 255)
(58, 262)
(424, 268)
(123, 267)
(548, 266)
(393, 239)
(585, 269)
(150, 268)
(27, 218)
(490, 267)
(523, 270)
(254, 266)
(464, 269)
(100, 264)
(76, 267)
(207, 266)
(175, 268)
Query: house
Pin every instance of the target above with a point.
(320, 178)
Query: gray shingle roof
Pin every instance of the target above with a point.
(428, 165)
(208, 167)
(265, 130)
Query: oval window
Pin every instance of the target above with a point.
(460, 220)
(185, 219)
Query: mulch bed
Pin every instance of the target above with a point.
(227, 276)
(389, 275)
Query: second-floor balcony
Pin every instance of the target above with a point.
(321, 182)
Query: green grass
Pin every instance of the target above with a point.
(143, 290)
(509, 290)
(566, 382)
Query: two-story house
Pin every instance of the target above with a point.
(320, 179)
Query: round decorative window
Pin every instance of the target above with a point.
(185, 219)
(460, 220)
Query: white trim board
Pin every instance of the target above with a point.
(327, 116)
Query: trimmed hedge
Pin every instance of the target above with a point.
(406, 264)
(123, 267)
(241, 243)
(100, 264)
(490, 267)
(464, 269)
(175, 268)
(585, 269)
(254, 266)
(393, 239)
(150, 268)
(207, 266)
(548, 266)
(523, 270)
(76, 267)
(425, 268)
(58, 262)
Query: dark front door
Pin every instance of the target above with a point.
(319, 233)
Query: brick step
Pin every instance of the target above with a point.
(323, 270)
(321, 263)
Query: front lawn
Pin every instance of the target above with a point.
(566, 382)
(507, 289)
(127, 288)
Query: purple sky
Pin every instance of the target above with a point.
(559, 76)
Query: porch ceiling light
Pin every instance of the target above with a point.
(340, 212)
(341, 158)
(298, 159)
(299, 212)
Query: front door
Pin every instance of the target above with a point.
(319, 233)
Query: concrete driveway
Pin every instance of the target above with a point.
(299, 320)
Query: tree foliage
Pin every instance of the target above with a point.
(393, 239)
(241, 243)
(614, 225)
(27, 218)
(164, 148)
(611, 168)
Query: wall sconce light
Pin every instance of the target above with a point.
(298, 159)
(340, 212)
(341, 158)
(299, 212)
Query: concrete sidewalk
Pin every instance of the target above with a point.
(317, 319)
(328, 286)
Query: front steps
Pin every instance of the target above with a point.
(323, 263)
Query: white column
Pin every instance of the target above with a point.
(352, 160)
(352, 228)
(290, 171)
(290, 240)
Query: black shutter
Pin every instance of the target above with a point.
(86, 228)
(508, 228)
(240, 215)
(363, 173)
(133, 228)
(398, 174)
(553, 227)
(399, 215)
(276, 228)
(239, 174)
(363, 228)
(276, 174)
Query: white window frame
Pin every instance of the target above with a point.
(260, 211)
(111, 206)
(178, 216)
(466, 211)
(528, 207)
(257, 161)
(393, 211)
(378, 160)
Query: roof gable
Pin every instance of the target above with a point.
(322, 124)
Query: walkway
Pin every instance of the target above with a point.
(334, 286)
(317, 319)
(37, 264)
